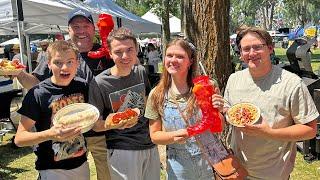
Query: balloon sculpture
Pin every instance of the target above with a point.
(203, 92)
(105, 25)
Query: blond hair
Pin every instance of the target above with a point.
(61, 46)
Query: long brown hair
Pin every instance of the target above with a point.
(163, 86)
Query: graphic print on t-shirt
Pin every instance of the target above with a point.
(72, 148)
(58, 104)
(131, 97)
(100, 66)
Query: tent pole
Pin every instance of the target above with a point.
(20, 26)
(29, 52)
(21, 40)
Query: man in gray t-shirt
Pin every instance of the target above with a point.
(267, 149)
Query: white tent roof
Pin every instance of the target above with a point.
(175, 23)
(129, 20)
(150, 16)
(11, 41)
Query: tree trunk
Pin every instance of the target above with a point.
(183, 17)
(207, 26)
(165, 24)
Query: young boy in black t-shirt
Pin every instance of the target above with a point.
(61, 152)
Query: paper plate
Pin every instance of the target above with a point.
(243, 113)
(10, 72)
(133, 120)
(77, 114)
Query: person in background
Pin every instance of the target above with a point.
(16, 51)
(267, 149)
(60, 151)
(171, 109)
(81, 31)
(131, 154)
(58, 36)
(153, 57)
(43, 53)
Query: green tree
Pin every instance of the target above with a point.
(140, 7)
(252, 13)
(243, 12)
(302, 12)
(137, 7)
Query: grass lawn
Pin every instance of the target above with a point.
(19, 164)
(315, 58)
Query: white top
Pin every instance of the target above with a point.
(153, 57)
(42, 56)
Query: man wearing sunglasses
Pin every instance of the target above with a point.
(267, 148)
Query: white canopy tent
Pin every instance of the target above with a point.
(129, 20)
(174, 22)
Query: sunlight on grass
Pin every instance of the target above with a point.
(18, 163)
(21, 166)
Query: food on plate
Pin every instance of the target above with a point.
(128, 116)
(81, 115)
(14, 64)
(83, 118)
(243, 113)
(13, 67)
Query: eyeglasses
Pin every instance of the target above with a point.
(255, 47)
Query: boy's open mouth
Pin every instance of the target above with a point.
(65, 75)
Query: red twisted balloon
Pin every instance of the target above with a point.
(105, 25)
(203, 92)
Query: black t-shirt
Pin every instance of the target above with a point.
(87, 69)
(112, 94)
(40, 104)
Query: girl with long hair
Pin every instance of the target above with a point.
(171, 108)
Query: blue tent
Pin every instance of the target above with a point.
(297, 33)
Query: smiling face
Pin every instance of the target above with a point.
(177, 61)
(124, 55)
(256, 53)
(81, 32)
(63, 65)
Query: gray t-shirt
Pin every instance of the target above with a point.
(284, 100)
(112, 94)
